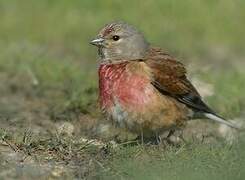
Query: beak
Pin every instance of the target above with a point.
(97, 42)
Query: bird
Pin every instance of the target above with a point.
(142, 88)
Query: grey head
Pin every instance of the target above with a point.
(120, 41)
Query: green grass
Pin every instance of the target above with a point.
(199, 161)
(48, 76)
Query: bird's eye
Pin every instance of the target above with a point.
(115, 38)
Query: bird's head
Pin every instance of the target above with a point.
(120, 41)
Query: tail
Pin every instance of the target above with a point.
(221, 120)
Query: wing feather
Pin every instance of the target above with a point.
(169, 77)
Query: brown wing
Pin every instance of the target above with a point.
(169, 77)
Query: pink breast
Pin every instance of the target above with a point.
(117, 85)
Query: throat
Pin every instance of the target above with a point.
(116, 54)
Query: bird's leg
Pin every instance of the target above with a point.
(142, 137)
(158, 139)
(155, 139)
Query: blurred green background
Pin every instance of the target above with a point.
(48, 75)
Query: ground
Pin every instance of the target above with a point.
(50, 124)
